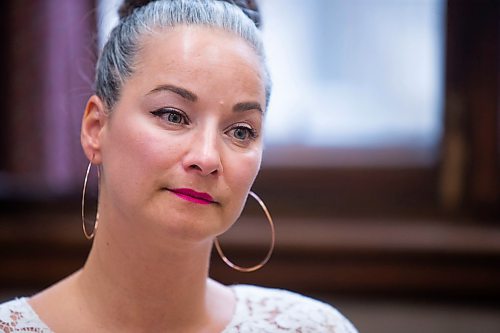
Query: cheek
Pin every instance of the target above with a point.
(245, 168)
(240, 178)
(133, 148)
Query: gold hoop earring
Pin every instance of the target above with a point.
(271, 248)
(96, 223)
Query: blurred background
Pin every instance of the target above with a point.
(381, 166)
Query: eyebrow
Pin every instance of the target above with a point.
(246, 106)
(184, 93)
(190, 96)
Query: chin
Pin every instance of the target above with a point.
(192, 228)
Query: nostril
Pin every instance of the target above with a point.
(195, 167)
(205, 171)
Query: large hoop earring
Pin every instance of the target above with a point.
(271, 248)
(96, 223)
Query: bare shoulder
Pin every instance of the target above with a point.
(278, 310)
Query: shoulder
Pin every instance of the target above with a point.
(277, 310)
(17, 316)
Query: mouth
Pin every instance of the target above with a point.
(193, 196)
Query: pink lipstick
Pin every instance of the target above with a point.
(193, 196)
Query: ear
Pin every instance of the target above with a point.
(93, 123)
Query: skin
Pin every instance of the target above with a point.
(181, 122)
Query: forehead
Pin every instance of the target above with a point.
(185, 54)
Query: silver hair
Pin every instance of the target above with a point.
(117, 59)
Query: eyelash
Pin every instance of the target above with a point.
(251, 132)
(163, 113)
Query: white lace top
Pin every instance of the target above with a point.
(258, 310)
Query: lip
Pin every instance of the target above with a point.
(193, 196)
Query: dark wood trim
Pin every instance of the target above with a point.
(4, 82)
(471, 145)
(350, 192)
(390, 257)
(356, 256)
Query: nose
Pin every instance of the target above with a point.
(203, 155)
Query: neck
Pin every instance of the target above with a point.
(135, 285)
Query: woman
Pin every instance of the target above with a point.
(175, 128)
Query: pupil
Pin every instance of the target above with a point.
(240, 133)
(174, 118)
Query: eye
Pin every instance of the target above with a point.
(171, 115)
(242, 133)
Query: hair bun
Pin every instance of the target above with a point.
(128, 6)
(249, 7)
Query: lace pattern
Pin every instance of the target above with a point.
(17, 316)
(258, 310)
(263, 310)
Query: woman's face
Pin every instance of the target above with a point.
(183, 144)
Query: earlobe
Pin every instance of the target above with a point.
(93, 122)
